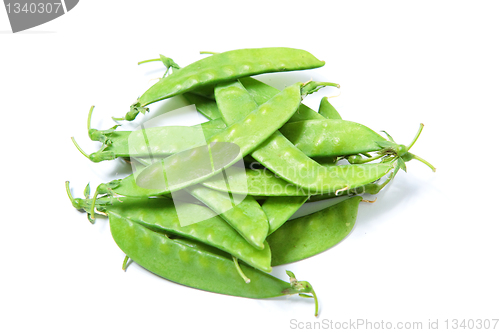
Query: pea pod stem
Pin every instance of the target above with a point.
(125, 262)
(238, 268)
(149, 60)
(416, 136)
(92, 207)
(70, 196)
(79, 148)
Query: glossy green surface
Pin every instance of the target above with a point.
(160, 215)
(321, 138)
(223, 67)
(205, 106)
(312, 234)
(246, 217)
(161, 141)
(280, 209)
(192, 264)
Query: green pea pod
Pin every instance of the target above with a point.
(246, 217)
(280, 209)
(327, 110)
(278, 154)
(195, 166)
(205, 106)
(196, 265)
(223, 67)
(262, 182)
(328, 138)
(161, 215)
(312, 234)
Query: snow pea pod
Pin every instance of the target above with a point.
(246, 217)
(262, 92)
(280, 209)
(161, 215)
(162, 141)
(277, 153)
(222, 67)
(327, 138)
(205, 106)
(197, 265)
(192, 166)
(327, 110)
(309, 235)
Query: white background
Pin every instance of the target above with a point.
(426, 250)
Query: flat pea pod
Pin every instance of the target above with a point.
(246, 217)
(161, 215)
(280, 209)
(161, 141)
(196, 265)
(327, 110)
(204, 105)
(312, 234)
(262, 182)
(327, 138)
(194, 166)
(222, 67)
(262, 92)
(277, 153)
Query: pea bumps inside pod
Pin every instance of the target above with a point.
(181, 256)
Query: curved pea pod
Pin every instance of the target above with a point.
(200, 163)
(224, 67)
(262, 182)
(327, 138)
(280, 209)
(327, 110)
(312, 234)
(262, 92)
(196, 265)
(279, 155)
(245, 216)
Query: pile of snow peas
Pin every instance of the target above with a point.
(287, 154)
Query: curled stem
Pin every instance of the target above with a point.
(89, 118)
(149, 60)
(79, 148)
(68, 191)
(238, 268)
(416, 136)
